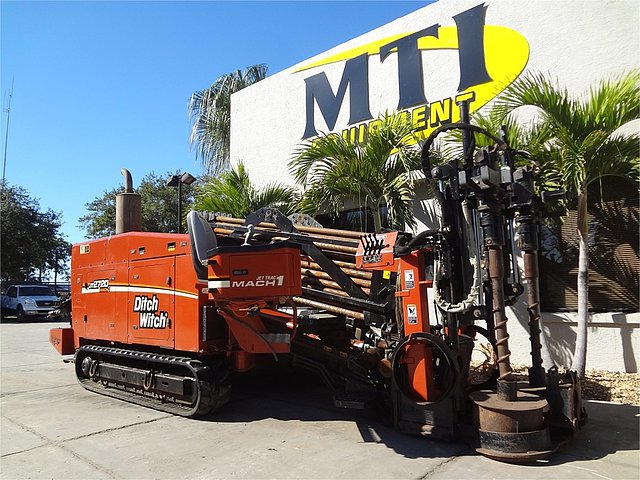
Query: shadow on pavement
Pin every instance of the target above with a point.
(301, 396)
(610, 428)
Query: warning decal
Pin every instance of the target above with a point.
(412, 314)
(409, 281)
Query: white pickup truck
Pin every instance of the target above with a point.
(28, 300)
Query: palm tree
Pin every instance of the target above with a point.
(210, 113)
(334, 169)
(585, 145)
(232, 193)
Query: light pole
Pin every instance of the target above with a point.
(177, 181)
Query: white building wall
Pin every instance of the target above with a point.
(614, 339)
(577, 41)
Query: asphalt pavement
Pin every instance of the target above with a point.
(276, 426)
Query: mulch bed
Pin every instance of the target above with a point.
(606, 386)
(612, 387)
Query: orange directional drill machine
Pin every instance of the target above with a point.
(166, 320)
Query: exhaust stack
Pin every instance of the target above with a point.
(128, 207)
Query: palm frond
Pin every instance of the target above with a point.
(538, 90)
(335, 170)
(232, 192)
(613, 102)
(276, 195)
(618, 156)
(581, 131)
(209, 113)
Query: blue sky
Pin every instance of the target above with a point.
(103, 85)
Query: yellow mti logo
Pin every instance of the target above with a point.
(490, 57)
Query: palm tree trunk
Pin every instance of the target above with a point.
(580, 353)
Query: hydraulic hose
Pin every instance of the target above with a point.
(468, 302)
(465, 304)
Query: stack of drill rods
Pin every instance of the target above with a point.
(348, 240)
(324, 275)
(348, 268)
(312, 274)
(320, 245)
(306, 282)
(318, 282)
(321, 232)
(330, 308)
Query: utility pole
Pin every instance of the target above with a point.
(6, 136)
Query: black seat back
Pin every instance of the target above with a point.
(202, 241)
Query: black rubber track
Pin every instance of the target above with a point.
(210, 394)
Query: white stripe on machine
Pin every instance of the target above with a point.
(219, 283)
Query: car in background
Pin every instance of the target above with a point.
(28, 300)
(62, 290)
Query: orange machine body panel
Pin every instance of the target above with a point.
(62, 340)
(375, 252)
(242, 278)
(265, 271)
(413, 292)
(136, 288)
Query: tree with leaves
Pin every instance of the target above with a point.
(210, 114)
(335, 170)
(159, 207)
(232, 193)
(585, 144)
(31, 242)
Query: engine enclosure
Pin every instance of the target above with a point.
(137, 288)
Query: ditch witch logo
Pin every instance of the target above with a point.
(489, 58)
(149, 315)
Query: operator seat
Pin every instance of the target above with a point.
(203, 240)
